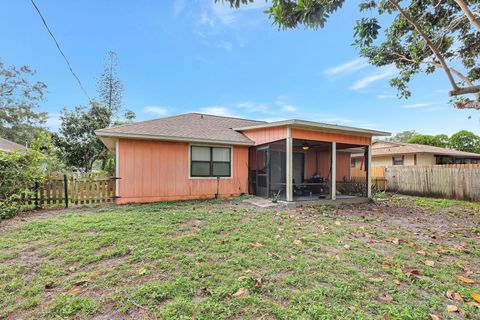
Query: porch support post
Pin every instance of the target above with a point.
(368, 167)
(333, 174)
(117, 166)
(289, 163)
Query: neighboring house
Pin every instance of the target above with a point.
(387, 153)
(198, 156)
(9, 146)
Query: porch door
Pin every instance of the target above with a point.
(263, 160)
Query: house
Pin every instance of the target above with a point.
(199, 156)
(387, 153)
(9, 146)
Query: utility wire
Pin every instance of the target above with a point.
(60, 49)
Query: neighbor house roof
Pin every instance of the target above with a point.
(9, 146)
(193, 127)
(387, 148)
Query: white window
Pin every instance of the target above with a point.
(210, 161)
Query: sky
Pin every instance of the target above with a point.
(197, 56)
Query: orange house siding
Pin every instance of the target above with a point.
(158, 170)
(266, 135)
(330, 137)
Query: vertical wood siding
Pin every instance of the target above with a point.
(330, 137)
(158, 170)
(266, 135)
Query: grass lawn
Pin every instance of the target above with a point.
(399, 258)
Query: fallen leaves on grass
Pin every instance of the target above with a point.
(429, 263)
(476, 297)
(393, 240)
(452, 308)
(347, 247)
(142, 271)
(257, 244)
(464, 279)
(79, 282)
(474, 304)
(422, 252)
(74, 291)
(413, 273)
(454, 295)
(240, 293)
(434, 317)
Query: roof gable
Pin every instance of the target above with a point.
(190, 126)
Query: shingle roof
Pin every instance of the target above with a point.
(189, 126)
(9, 146)
(397, 148)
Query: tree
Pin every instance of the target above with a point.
(403, 136)
(465, 141)
(19, 97)
(109, 85)
(77, 139)
(420, 36)
(440, 140)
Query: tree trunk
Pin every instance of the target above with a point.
(470, 16)
(429, 43)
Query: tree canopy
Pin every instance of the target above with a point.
(465, 141)
(440, 140)
(19, 98)
(421, 36)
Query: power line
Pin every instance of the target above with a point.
(59, 49)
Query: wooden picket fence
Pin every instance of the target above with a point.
(72, 191)
(459, 181)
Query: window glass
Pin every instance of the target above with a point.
(221, 169)
(200, 154)
(398, 160)
(353, 163)
(221, 154)
(201, 169)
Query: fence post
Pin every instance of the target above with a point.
(65, 189)
(36, 195)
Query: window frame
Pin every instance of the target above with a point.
(211, 162)
(398, 164)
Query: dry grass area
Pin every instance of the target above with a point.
(397, 258)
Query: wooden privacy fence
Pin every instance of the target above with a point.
(73, 191)
(445, 181)
(377, 172)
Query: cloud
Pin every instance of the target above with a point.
(156, 110)
(178, 7)
(346, 68)
(416, 105)
(386, 96)
(250, 107)
(366, 81)
(220, 26)
(217, 111)
(288, 108)
(53, 121)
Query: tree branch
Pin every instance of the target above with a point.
(471, 17)
(428, 42)
(472, 88)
